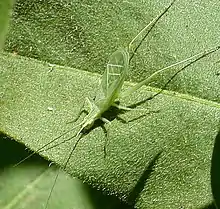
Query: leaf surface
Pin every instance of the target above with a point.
(5, 12)
(161, 158)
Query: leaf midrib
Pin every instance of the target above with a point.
(173, 94)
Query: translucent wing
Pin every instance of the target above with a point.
(115, 73)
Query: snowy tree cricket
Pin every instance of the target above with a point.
(111, 85)
(112, 82)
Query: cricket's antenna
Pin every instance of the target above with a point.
(64, 167)
(52, 188)
(150, 25)
(41, 148)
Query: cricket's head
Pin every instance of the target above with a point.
(90, 121)
(88, 125)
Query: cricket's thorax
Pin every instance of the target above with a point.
(88, 125)
(92, 117)
(103, 105)
(99, 108)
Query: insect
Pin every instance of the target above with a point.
(112, 82)
(114, 77)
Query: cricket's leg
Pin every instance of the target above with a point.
(128, 108)
(137, 118)
(152, 77)
(121, 107)
(82, 110)
(106, 143)
(121, 120)
(105, 120)
(106, 135)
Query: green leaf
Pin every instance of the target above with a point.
(183, 131)
(157, 160)
(5, 11)
(36, 180)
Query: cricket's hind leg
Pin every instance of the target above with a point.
(101, 123)
(133, 107)
(112, 114)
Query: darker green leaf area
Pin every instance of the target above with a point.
(158, 158)
(29, 184)
(5, 11)
(160, 154)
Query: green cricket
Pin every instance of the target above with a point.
(112, 82)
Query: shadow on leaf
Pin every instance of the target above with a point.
(11, 152)
(141, 183)
(100, 199)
